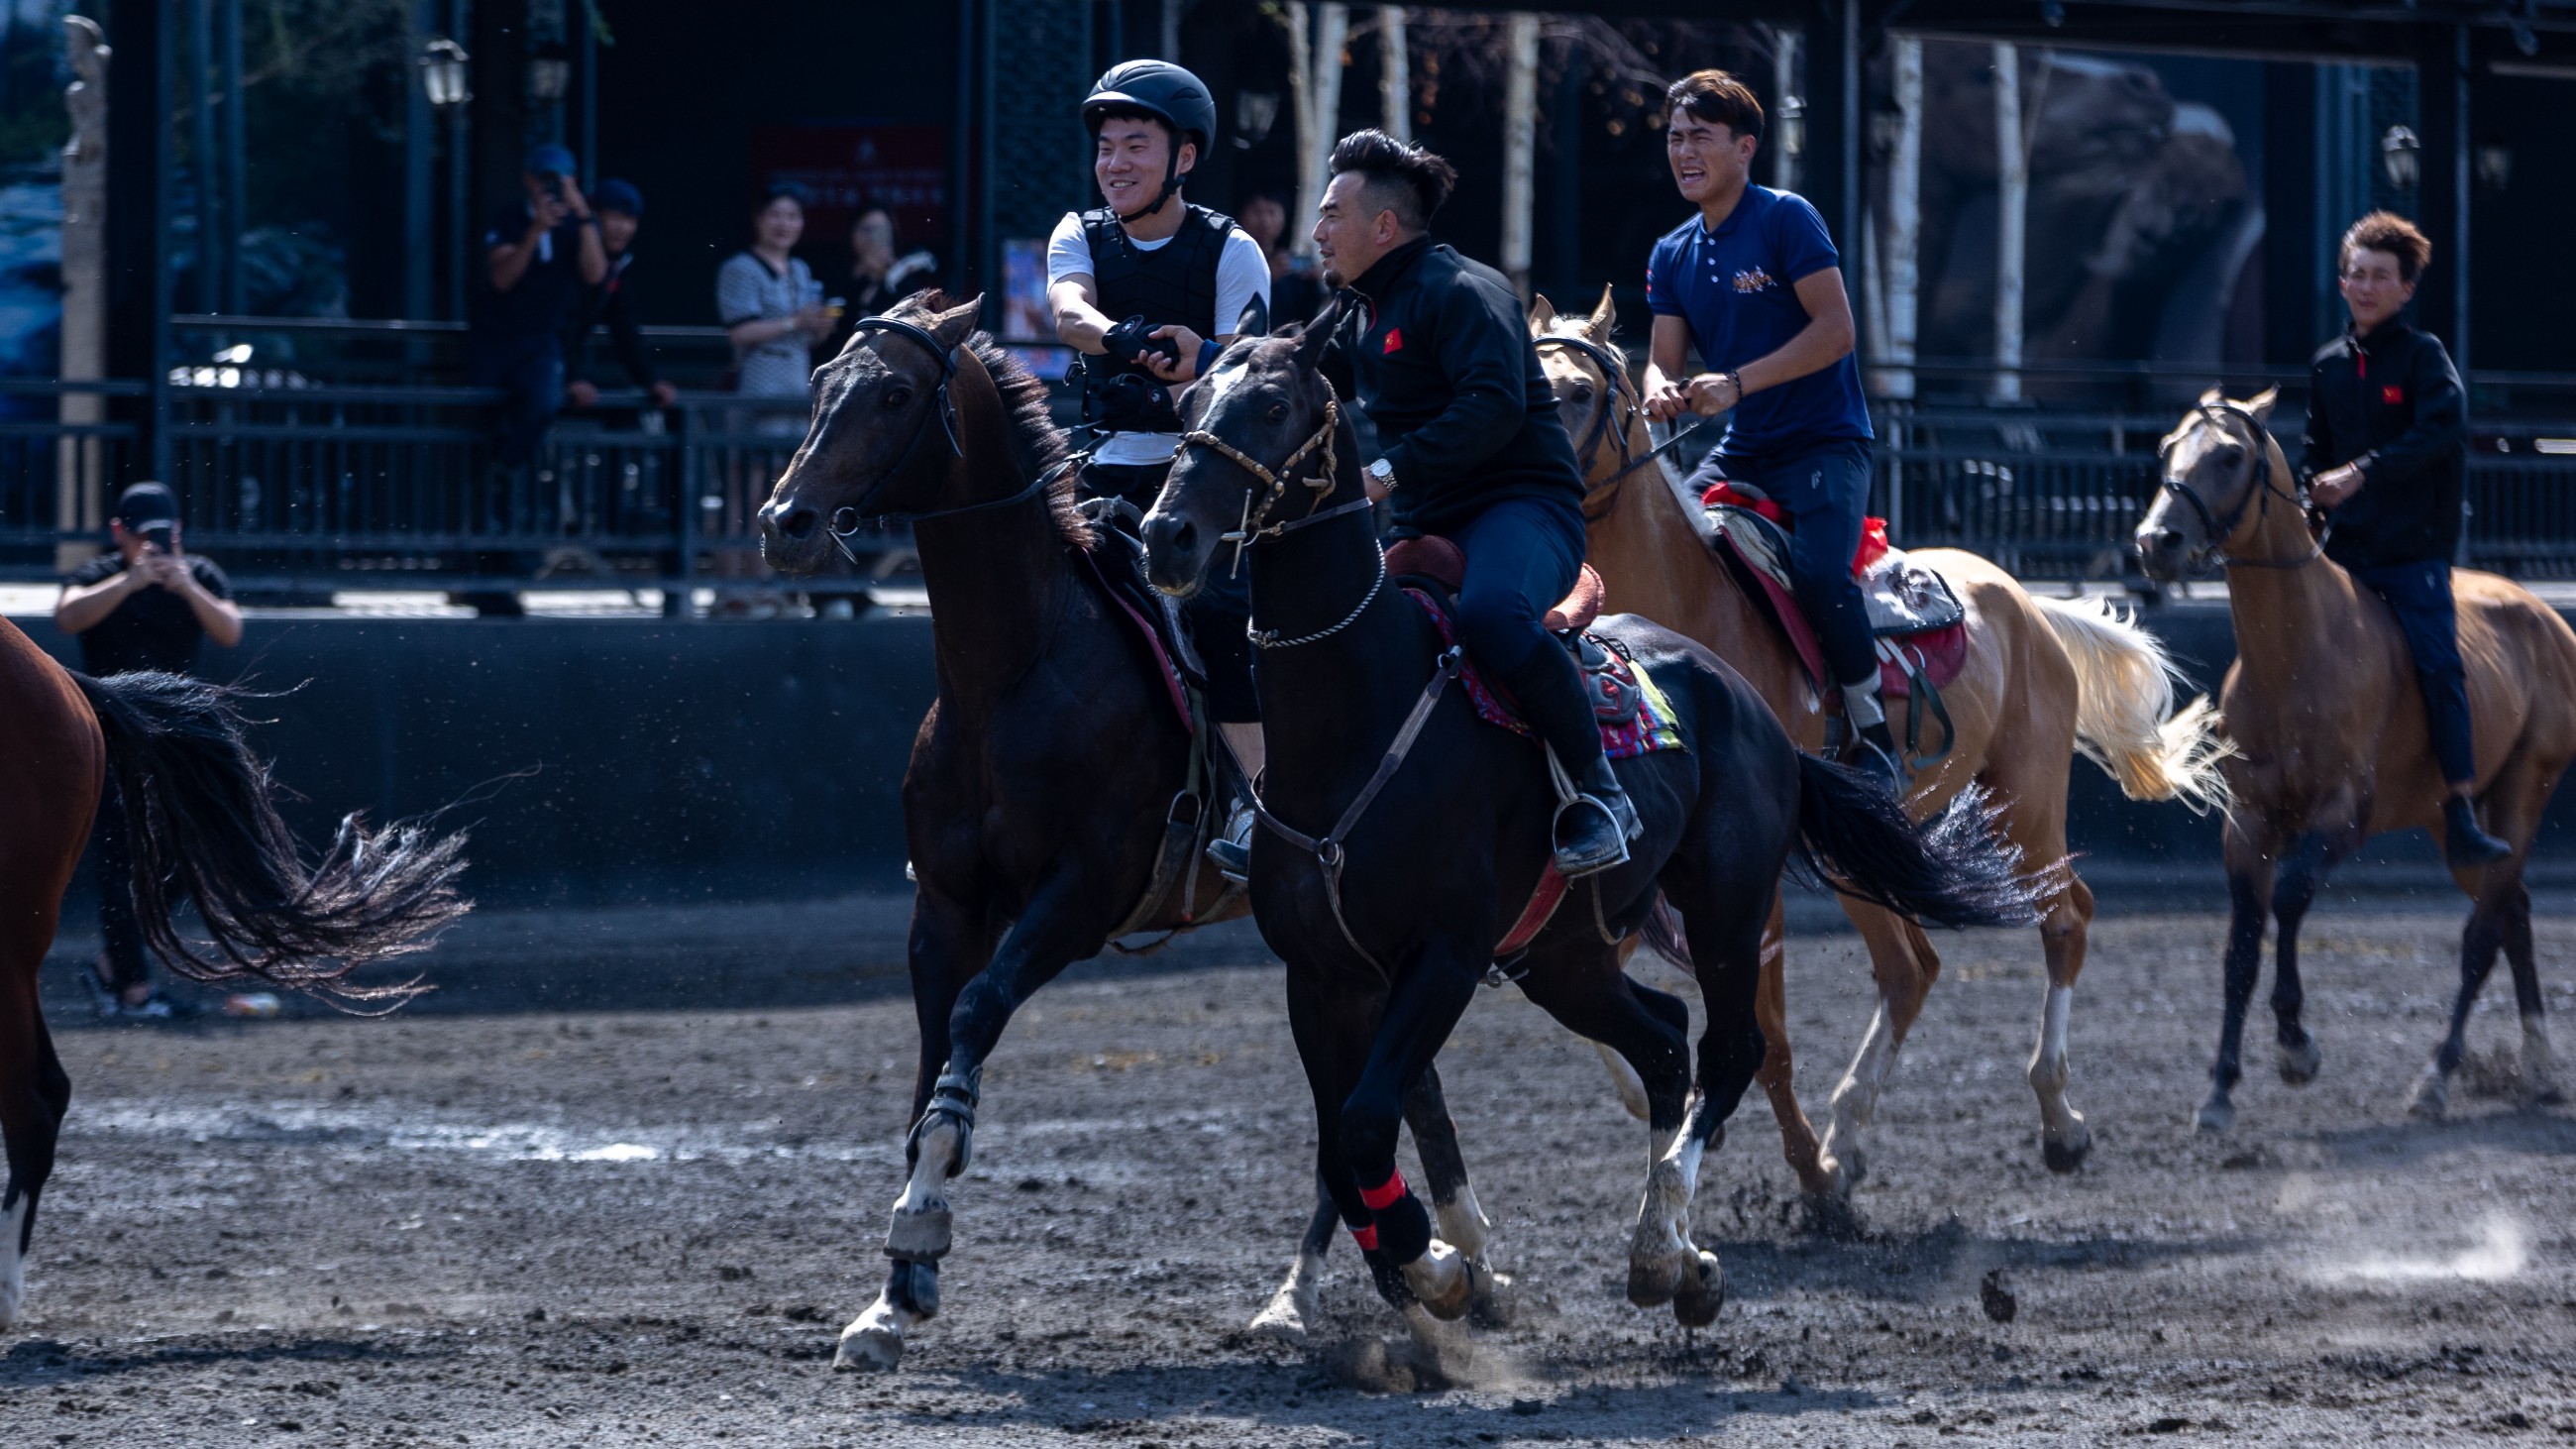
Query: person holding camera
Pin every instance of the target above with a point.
(148, 605)
(540, 255)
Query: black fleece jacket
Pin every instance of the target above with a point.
(2391, 400)
(1443, 363)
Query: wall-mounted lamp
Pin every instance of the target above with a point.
(2402, 156)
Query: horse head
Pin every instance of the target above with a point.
(1264, 433)
(2215, 468)
(884, 432)
(1590, 382)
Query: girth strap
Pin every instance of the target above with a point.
(1328, 850)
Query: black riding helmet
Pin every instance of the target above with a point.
(1166, 92)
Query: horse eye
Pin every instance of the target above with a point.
(1583, 394)
(2232, 454)
(1278, 412)
(896, 397)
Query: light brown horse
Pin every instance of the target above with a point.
(2330, 742)
(2043, 678)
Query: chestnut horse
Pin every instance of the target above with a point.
(2043, 679)
(2330, 744)
(197, 808)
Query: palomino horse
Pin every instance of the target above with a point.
(197, 808)
(2043, 679)
(2327, 723)
(1431, 831)
(1039, 800)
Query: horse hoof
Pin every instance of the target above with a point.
(2064, 1155)
(1440, 1282)
(2216, 1115)
(1283, 1320)
(1833, 1218)
(870, 1349)
(2299, 1063)
(1490, 1300)
(2430, 1097)
(1702, 1293)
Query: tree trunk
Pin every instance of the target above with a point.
(1315, 58)
(1520, 145)
(2012, 215)
(1394, 74)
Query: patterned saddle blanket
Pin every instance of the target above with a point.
(1919, 624)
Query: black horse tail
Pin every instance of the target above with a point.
(1951, 870)
(201, 822)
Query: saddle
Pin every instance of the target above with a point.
(1917, 622)
(1609, 679)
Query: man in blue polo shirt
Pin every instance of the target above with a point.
(1752, 285)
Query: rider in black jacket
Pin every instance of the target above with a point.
(1473, 450)
(2386, 445)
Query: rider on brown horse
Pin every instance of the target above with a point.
(1149, 288)
(1752, 284)
(1472, 450)
(2385, 449)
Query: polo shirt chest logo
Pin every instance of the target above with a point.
(1754, 279)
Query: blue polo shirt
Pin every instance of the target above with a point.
(1735, 288)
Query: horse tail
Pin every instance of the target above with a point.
(202, 825)
(1662, 934)
(1952, 870)
(2125, 720)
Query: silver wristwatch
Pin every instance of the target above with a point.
(1382, 473)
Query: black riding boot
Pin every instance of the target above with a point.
(2464, 843)
(1592, 833)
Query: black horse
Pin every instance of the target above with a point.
(1042, 781)
(1422, 851)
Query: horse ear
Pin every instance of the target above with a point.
(1319, 334)
(1542, 313)
(951, 326)
(2213, 398)
(2260, 404)
(1604, 319)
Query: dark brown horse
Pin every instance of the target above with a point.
(198, 811)
(2331, 747)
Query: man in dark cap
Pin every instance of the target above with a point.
(620, 209)
(148, 605)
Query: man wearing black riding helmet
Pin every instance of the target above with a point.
(1149, 288)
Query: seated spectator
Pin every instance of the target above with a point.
(148, 605)
(620, 209)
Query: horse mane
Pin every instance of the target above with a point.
(1040, 443)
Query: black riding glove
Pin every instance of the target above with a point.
(1128, 343)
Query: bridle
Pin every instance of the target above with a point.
(1617, 408)
(2259, 497)
(943, 407)
(1256, 525)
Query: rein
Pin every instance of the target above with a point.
(944, 407)
(1624, 404)
(2259, 497)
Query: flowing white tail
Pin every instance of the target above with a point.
(2125, 720)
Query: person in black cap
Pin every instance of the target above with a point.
(148, 605)
(1149, 288)
(538, 254)
(620, 209)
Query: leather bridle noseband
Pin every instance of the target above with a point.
(943, 407)
(1621, 403)
(2259, 497)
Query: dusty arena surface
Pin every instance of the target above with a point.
(647, 1227)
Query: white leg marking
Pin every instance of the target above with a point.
(2064, 1139)
(1855, 1099)
(1631, 1087)
(1463, 1222)
(2539, 1061)
(13, 1267)
(1296, 1304)
(2430, 1097)
(874, 1339)
(1439, 1280)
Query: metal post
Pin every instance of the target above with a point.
(1168, 41)
(419, 143)
(202, 166)
(991, 262)
(588, 80)
(2012, 212)
(961, 152)
(164, 286)
(460, 220)
(676, 600)
(1569, 172)
(236, 191)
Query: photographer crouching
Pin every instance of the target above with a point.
(148, 605)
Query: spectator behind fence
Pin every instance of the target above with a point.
(620, 209)
(539, 254)
(878, 277)
(1296, 294)
(772, 308)
(146, 606)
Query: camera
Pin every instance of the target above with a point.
(552, 183)
(156, 535)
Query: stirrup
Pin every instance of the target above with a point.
(1231, 852)
(1624, 826)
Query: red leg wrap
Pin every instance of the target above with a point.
(1366, 1237)
(1386, 1194)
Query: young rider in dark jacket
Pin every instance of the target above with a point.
(2385, 448)
(1472, 450)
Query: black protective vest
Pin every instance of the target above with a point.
(1174, 285)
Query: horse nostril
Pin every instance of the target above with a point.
(799, 525)
(2169, 539)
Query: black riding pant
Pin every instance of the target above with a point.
(1218, 616)
(2419, 594)
(1824, 491)
(1523, 556)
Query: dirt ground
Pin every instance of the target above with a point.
(612, 1228)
